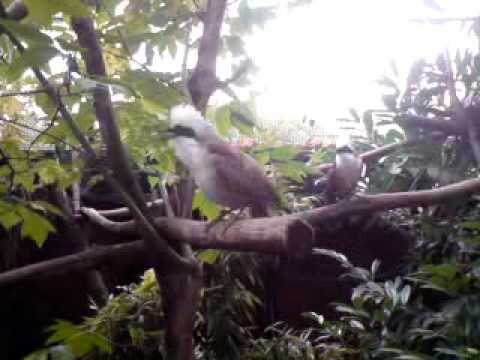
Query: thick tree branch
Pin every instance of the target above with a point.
(448, 127)
(472, 116)
(368, 204)
(127, 184)
(276, 235)
(203, 81)
(79, 239)
(262, 235)
(82, 261)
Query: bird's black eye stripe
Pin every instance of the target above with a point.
(180, 130)
(344, 150)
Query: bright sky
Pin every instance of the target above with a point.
(321, 59)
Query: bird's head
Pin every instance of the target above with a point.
(344, 145)
(186, 121)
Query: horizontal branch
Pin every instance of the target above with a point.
(39, 131)
(289, 236)
(123, 211)
(449, 127)
(368, 204)
(22, 93)
(80, 261)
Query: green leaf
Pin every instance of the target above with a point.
(46, 207)
(262, 157)
(235, 45)
(447, 271)
(27, 32)
(78, 340)
(33, 56)
(42, 11)
(294, 170)
(49, 171)
(284, 153)
(242, 118)
(10, 219)
(209, 256)
(38, 355)
(153, 181)
(471, 224)
(223, 120)
(156, 94)
(207, 207)
(34, 225)
(26, 180)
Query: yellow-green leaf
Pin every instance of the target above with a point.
(207, 207)
(209, 256)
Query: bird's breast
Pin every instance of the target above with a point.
(348, 171)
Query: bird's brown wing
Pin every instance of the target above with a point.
(240, 173)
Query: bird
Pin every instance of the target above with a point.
(225, 174)
(347, 172)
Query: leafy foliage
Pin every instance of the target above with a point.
(130, 325)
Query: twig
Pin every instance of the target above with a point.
(22, 93)
(123, 211)
(440, 21)
(81, 261)
(43, 132)
(243, 68)
(53, 137)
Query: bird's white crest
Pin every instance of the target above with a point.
(188, 116)
(184, 115)
(343, 141)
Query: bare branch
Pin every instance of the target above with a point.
(448, 127)
(203, 81)
(82, 261)
(280, 235)
(53, 137)
(124, 180)
(22, 93)
(124, 211)
(368, 204)
(276, 235)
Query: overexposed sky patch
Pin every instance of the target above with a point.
(321, 59)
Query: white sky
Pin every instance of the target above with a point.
(321, 59)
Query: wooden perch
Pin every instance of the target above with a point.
(448, 127)
(368, 204)
(80, 261)
(285, 235)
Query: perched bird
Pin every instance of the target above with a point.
(348, 170)
(226, 175)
